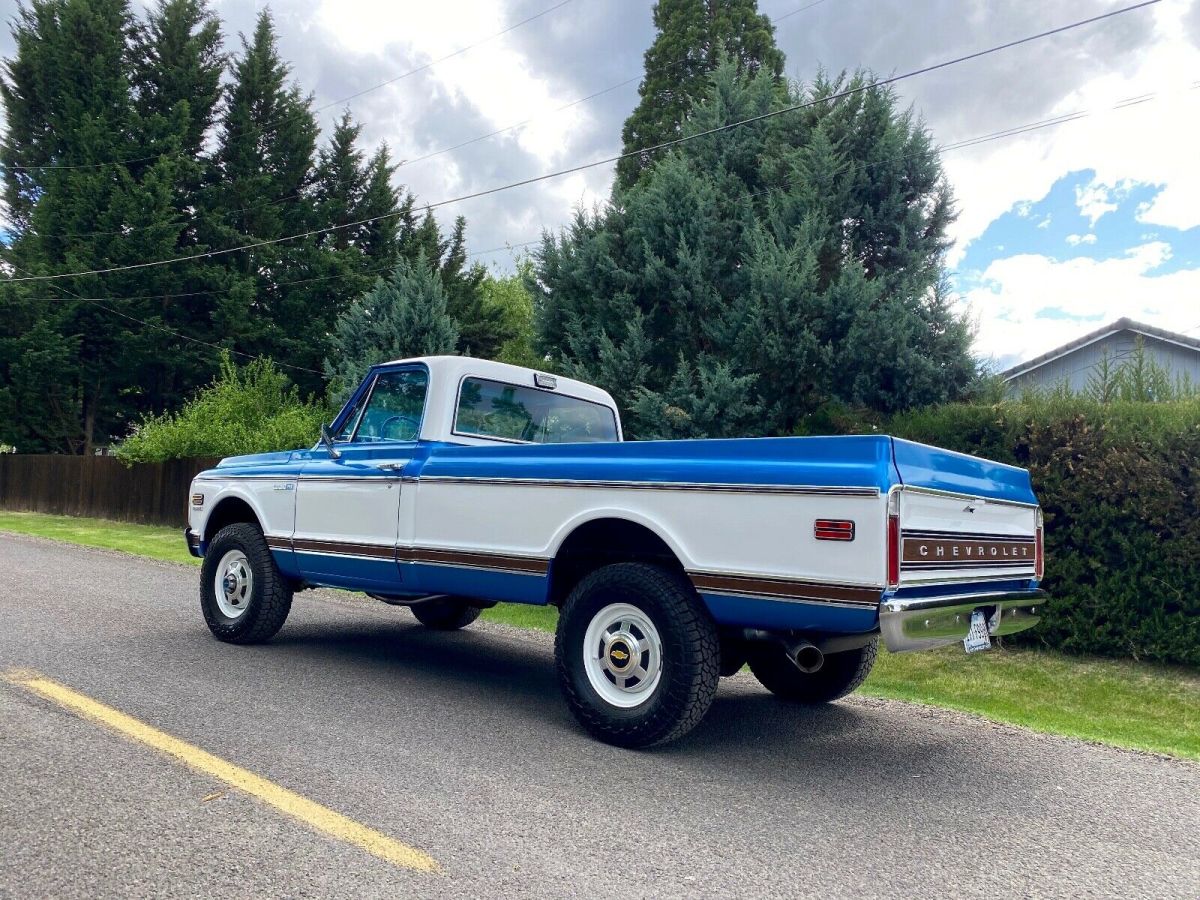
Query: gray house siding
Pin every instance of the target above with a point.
(1075, 366)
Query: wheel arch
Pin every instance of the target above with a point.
(604, 539)
(229, 510)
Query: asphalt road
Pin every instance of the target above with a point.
(460, 746)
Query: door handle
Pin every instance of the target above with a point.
(390, 467)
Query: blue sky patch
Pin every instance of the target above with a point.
(1055, 227)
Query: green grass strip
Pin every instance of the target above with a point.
(1125, 704)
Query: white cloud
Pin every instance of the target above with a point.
(494, 77)
(1076, 239)
(1096, 198)
(1146, 143)
(1014, 290)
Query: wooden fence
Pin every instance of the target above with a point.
(100, 486)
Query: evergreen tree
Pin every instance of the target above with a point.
(105, 200)
(262, 191)
(108, 160)
(693, 37)
(401, 316)
(177, 63)
(177, 66)
(755, 276)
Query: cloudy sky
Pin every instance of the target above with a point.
(1059, 231)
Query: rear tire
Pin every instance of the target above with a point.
(445, 613)
(840, 674)
(244, 596)
(637, 654)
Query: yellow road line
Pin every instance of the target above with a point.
(313, 814)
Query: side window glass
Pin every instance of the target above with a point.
(394, 407)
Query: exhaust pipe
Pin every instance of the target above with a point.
(806, 657)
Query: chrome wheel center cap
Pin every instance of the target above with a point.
(622, 653)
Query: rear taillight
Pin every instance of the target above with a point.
(893, 541)
(1039, 556)
(833, 530)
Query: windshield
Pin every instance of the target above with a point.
(510, 412)
(391, 410)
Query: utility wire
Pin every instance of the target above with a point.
(184, 337)
(608, 160)
(965, 143)
(592, 96)
(270, 126)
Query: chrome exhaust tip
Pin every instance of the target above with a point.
(806, 657)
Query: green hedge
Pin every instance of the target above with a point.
(247, 409)
(1120, 487)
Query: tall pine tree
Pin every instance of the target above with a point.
(88, 185)
(755, 276)
(693, 37)
(261, 190)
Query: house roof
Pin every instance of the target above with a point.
(1124, 324)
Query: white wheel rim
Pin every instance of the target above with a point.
(622, 655)
(233, 584)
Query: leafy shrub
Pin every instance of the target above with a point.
(249, 409)
(1119, 484)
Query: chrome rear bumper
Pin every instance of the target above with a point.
(921, 623)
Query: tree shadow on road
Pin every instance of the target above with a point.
(506, 684)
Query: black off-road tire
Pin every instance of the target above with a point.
(840, 674)
(270, 598)
(445, 613)
(690, 658)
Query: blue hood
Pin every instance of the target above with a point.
(255, 459)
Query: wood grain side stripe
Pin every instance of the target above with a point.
(524, 564)
(785, 589)
(344, 548)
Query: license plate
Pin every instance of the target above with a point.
(977, 635)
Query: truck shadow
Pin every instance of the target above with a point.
(508, 686)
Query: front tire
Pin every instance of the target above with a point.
(445, 613)
(839, 675)
(638, 656)
(244, 596)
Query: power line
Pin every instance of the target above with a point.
(184, 337)
(269, 126)
(963, 144)
(600, 162)
(796, 12)
(366, 273)
(592, 96)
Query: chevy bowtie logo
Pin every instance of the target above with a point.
(619, 655)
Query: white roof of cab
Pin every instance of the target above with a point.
(447, 372)
(458, 367)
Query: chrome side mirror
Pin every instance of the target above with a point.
(327, 442)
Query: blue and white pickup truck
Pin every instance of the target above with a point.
(449, 484)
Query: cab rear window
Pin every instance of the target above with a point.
(511, 412)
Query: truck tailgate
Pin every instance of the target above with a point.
(963, 518)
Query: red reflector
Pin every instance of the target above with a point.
(833, 530)
(1039, 563)
(893, 551)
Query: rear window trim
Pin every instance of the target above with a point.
(533, 387)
